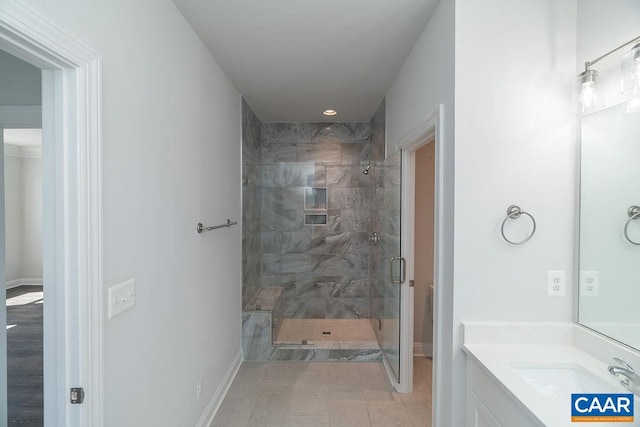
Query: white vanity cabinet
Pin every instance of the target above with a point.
(477, 414)
(488, 405)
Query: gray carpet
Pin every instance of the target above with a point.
(24, 356)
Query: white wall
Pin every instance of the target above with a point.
(32, 217)
(23, 214)
(515, 144)
(171, 158)
(425, 81)
(13, 217)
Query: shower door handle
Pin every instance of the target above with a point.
(403, 270)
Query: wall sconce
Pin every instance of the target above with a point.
(589, 95)
(589, 91)
(631, 70)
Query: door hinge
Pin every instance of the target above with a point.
(76, 395)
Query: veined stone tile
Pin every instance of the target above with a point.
(357, 221)
(363, 130)
(284, 280)
(318, 153)
(327, 265)
(355, 355)
(300, 242)
(341, 133)
(307, 354)
(275, 153)
(303, 286)
(288, 263)
(349, 198)
(256, 335)
(282, 221)
(351, 288)
(347, 176)
(377, 142)
(271, 174)
(251, 173)
(319, 177)
(288, 174)
(347, 308)
(280, 133)
(271, 242)
(283, 199)
(305, 307)
(334, 222)
(355, 154)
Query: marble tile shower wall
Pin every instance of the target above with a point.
(376, 288)
(324, 269)
(251, 201)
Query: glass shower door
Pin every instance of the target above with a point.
(390, 264)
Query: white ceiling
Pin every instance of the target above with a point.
(291, 59)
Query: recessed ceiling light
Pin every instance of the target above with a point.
(329, 112)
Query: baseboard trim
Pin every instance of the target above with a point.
(424, 349)
(214, 404)
(24, 281)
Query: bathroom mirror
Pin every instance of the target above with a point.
(609, 263)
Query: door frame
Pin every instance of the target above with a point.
(431, 128)
(72, 196)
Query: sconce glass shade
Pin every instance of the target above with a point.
(631, 71)
(588, 91)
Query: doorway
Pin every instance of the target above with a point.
(423, 255)
(423, 250)
(23, 268)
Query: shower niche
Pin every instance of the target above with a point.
(315, 200)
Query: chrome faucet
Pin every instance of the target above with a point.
(631, 380)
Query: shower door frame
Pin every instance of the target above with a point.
(428, 129)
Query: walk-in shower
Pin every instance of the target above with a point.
(307, 205)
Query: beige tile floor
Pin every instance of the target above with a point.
(354, 394)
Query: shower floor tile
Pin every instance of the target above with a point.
(328, 333)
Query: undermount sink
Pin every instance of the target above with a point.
(556, 381)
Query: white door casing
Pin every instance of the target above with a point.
(428, 129)
(72, 229)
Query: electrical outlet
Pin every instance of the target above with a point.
(198, 389)
(121, 297)
(557, 283)
(589, 283)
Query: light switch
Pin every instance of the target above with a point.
(121, 297)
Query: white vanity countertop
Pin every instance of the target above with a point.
(535, 346)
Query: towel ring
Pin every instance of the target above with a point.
(634, 213)
(514, 212)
